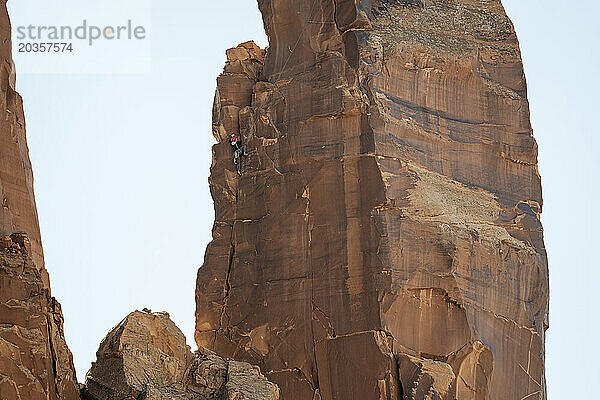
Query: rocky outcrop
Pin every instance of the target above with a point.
(426, 379)
(146, 357)
(143, 350)
(391, 190)
(212, 377)
(35, 362)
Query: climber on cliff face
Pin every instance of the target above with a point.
(239, 150)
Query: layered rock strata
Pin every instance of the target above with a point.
(389, 208)
(146, 357)
(35, 362)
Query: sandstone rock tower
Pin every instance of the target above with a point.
(35, 362)
(384, 240)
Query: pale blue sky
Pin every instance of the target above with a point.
(121, 165)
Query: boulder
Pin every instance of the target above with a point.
(145, 357)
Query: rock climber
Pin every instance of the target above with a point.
(239, 150)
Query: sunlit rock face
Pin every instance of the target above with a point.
(145, 357)
(18, 212)
(384, 239)
(35, 362)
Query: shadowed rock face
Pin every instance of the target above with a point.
(391, 191)
(35, 362)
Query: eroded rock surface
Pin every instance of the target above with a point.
(144, 350)
(146, 357)
(426, 379)
(391, 188)
(18, 212)
(35, 362)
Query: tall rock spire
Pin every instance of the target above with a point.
(385, 234)
(35, 362)
(18, 212)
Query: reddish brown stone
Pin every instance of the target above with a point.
(146, 357)
(18, 212)
(35, 362)
(391, 186)
(369, 371)
(424, 379)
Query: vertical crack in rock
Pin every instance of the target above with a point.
(306, 195)
(52, 351)
(227, 287)
(391, 202)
